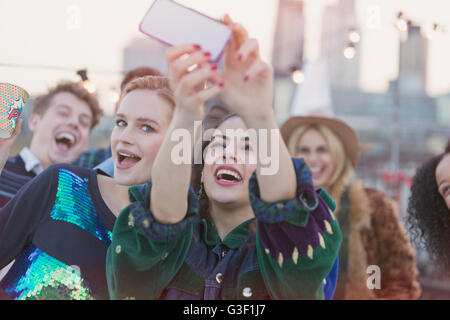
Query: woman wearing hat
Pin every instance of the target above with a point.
(376, 259)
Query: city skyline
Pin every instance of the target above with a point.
(72, 34)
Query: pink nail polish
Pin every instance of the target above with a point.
(220, 84)
(197, 47)
(214, 67)
(239, 58)
(246, 78)
(207, 54)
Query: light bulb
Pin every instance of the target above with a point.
(349, 52)
(298, 77)
(89, 86)
(354, 36)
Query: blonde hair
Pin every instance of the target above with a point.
(343, 167)
(154, 83)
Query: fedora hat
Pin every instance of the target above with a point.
(343, 131)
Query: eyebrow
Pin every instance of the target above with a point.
(65, 106)
(224, 137)
(140, 119)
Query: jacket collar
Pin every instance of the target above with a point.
(234, 239)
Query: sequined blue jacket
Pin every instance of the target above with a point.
(57, 229)
(288, 251)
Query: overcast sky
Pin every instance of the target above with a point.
(51, 32)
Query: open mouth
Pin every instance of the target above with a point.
(126, 160)
(317, 172)
(65, 141)
(227, 176)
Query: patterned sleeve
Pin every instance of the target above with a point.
(145, 255)
(297, 240)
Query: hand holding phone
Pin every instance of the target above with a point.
(174, 24)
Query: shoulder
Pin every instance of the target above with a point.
(17, 166)
(384, 209)
(359, 192)
(54, 171)
(378, 198)
(69, 167)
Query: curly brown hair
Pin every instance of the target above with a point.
(42, 102)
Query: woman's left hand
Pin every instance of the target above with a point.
(6, 144)
(248, 81)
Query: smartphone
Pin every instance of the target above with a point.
(174, 24)
(12, 101)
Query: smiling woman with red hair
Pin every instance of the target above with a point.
(58, 227)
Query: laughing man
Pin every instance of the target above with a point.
(61, 122)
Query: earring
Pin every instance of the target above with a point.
(201, 191)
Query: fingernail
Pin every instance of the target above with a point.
(207, 54)
(197, 47)
(214, 67)
(239, 57)
(221, 84)
(246, 78)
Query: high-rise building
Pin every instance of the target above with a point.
(144, 52)
(413, 62)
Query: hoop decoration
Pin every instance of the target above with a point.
(12, 100)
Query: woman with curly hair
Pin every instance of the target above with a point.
(429, 208)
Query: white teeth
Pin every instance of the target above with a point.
(229, 172)
(123, 154)
(66, 135)
(315, 170)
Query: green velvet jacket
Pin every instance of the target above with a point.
(288, 251)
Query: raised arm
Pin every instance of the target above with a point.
(248, 91)
(171, 179)
(297, 236)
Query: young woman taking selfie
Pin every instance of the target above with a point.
(263, 236)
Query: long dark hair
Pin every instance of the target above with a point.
(198, 168)
(429, 217)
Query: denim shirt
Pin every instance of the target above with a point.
(288, 251)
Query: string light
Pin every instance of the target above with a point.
(297, 75)
(87, 84)
(354, 36)
(349, 51)
(438, 28)
(401, 23)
